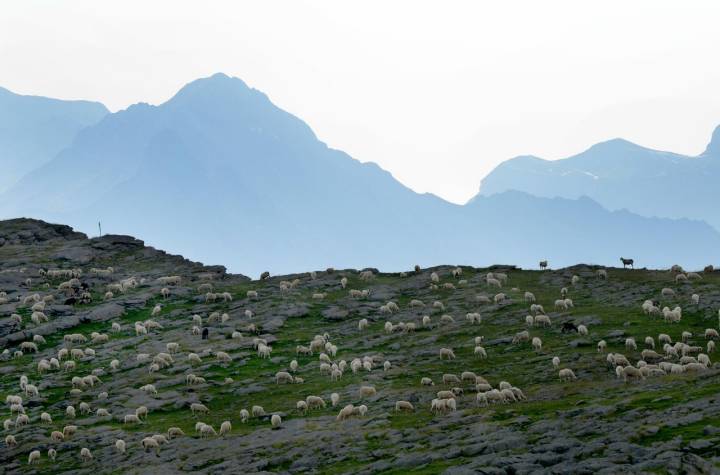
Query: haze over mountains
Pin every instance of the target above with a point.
(619, 174)
(220, 174)
(34, 129)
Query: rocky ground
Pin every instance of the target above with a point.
(596, 424)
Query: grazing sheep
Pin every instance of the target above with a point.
(582, 330)
(284, 377)
(711, 334)
(85, 454)
(521, 337)
(556, 362)
(45, 418)
(447, 319)
(566, 374)
(630, 344)
(120, 446)
(258, 411)
(225, 428)
(367, 391)
(346, 412)
(447, 353)
(69, 431)
(543, 320)
(315, 402)
(404, 406)
(198, 407)
(52, 454)
(480, 352)
(695, 299)
(473, 317)
(275, 421)
(537, 344)
(630, 372)
(150, 443)
(650, 342)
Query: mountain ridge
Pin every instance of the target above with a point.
(221, 174)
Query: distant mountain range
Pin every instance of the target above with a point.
(34, 129)
(621, 175)
(221, 175)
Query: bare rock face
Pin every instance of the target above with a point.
(24, 231)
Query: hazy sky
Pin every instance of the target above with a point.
(438, 93)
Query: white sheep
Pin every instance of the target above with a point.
(199, 407)
(556, 362)
(543, 320)
(225, 428)
(120, 446)
(367, 391)
(85, 454)
(537, 344)
(566, 374)
(404, 406)
(480, 352)
(630, 344)
(283, 377)
(275, 421)
(150, 443)
(447, 353)
(34, 457)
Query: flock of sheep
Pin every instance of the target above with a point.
(660, 355)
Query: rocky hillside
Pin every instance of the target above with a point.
(106, 339)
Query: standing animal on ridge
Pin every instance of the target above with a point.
(543, 264)
(628, 262)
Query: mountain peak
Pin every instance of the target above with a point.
(219, 85)
(713, 147)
